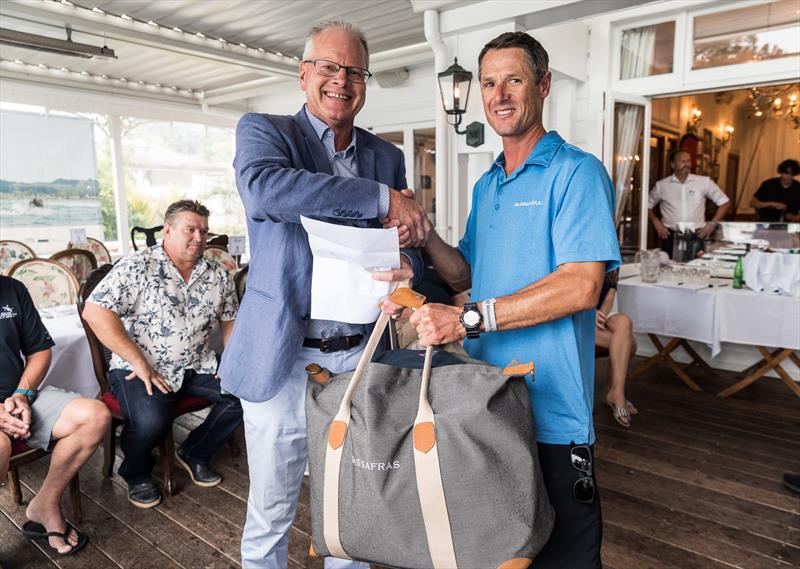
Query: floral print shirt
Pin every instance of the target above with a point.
(168, 318)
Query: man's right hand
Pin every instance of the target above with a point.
(409, 217)
(661, 229)
(13, 426)
(150, 377)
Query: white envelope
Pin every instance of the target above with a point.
(342, 287)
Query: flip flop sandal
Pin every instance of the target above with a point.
(631, 408)
(36, 531)
(621, 414)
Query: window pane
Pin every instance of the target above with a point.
(647, 51)
(425, 169)
(746, 35)
(169, 161)
(48, 178)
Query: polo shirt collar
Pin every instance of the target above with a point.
(541, 155)
(322, 129)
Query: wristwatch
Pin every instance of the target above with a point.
(29, 393)
(471, 319)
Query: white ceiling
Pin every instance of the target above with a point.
(191, 63)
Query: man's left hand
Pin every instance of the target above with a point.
(438, 324)
(707, 230)
(403, 276)
(18, 406)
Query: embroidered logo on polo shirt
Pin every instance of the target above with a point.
(7, 312)
(532, 203)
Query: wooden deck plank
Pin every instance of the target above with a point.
(92, 555)
(740, 515)
(17, 551)
(693, 534)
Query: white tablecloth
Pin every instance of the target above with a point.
(777, 273)
(712, 315)
(71, 368)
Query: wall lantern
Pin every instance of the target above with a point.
(694, 120)
(454, 83)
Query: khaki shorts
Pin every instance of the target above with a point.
(45, 411)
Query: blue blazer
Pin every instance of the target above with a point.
(283, 172)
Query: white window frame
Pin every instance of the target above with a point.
(684, 78)
(612, 98)
(649, 83)
(408, 142)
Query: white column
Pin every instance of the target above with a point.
(118, 171)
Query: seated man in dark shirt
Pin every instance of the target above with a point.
(778, 199)
(66, 423)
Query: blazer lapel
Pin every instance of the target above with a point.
(314, 144)
(366, 157)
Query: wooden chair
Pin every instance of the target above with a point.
(96, 248)
(240, 281)
(22, 454)
(101, 356)
(11, 253)
(149, 235)
(80, 261)
(223, 258)
(49, 282)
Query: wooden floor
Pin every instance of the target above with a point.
(695, 483)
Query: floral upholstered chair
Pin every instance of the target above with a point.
(94, 246)
(223, 258)
(80, 261)
(11, 253)
(49, 282)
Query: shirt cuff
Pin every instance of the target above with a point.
(383, 201)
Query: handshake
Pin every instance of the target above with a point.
(413, 225)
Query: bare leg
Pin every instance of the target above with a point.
(79, 430)
(5, 455)
(618, 339)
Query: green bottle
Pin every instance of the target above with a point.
(738, 273)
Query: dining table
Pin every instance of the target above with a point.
(71, 366)
(714, 313)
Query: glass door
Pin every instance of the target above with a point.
(627, 157)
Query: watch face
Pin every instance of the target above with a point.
(472, 318)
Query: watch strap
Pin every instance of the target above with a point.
(472, 331)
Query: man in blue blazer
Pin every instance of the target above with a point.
(315, 164)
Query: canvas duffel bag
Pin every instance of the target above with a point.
(425, 460)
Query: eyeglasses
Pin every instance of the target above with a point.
(580, 457)
(331, 69)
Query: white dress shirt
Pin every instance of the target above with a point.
(685, 202)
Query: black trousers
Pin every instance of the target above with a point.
(578, 530)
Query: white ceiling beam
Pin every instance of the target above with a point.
(382, 61)
(485, 13)
(87, 21)
(239, 91)
(419, 6)
(31, 74)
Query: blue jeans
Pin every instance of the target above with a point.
(148, 418)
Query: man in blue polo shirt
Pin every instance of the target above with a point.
(539, 238)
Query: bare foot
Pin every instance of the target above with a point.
(53, 520)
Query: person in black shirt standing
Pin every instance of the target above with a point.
(69, 425)
(778, 199)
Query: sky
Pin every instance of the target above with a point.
(41, 148)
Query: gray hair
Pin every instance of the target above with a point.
(328, 24)
(191, 206)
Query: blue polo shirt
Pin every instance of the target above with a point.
(556, 207)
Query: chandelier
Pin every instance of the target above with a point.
(779, 102)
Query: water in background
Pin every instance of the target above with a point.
(72, 212)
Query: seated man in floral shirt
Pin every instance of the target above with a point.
(155, 311)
